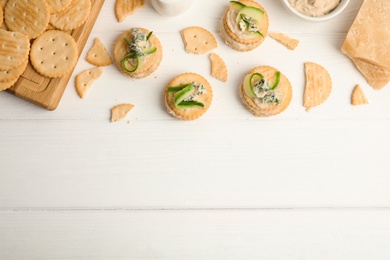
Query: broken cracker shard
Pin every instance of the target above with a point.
(368, 42)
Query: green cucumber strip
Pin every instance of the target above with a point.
(259, 34)
(254, 78)
(237, 6)
(183, 94)
(189, 104)
(248, 88)
(150, 50)
(277, 80)
(177, 88)
(123, 62)
(148, 37)
(127, 41)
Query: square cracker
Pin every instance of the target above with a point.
(98, 54)
(124, 8)
(368, 42)
(198, 40)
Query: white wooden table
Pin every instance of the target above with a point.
(227, 186)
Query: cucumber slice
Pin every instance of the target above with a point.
(137, 65)
(189, 104)
(253, 12)
(183, 94)
(235, 5)
(277, 80)
(150, 50)
(177, 88)
(149, 35)
(248, 86)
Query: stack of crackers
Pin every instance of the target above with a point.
(44, 25)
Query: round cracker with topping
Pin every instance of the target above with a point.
(148, 64)
(203, 95)
(54, 54)
(29, 17)
(73, 16)
(283, 91)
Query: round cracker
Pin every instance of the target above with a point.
(193, 112)
(9, 75)
(14, 48)
(56, 6)
(29, 17)
(234, 44)
(149, 63)
(284, 89)
(7, 84)
(73, 16)
(54, 53)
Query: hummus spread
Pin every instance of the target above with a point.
(314, 7)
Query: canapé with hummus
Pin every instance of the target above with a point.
(265, 91)
(244, 25)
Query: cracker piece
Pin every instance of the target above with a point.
(358, 97)
(191, 113)
(120, 111)
(72, 16)
(9, 75)
(29, 17)
(318, 85)
(367, 43)
(149, 63)
(7, 84)
(98, 54)
(85, 79)
(283, 39)
(1, 17)
(14, 48)
(3, 3)
(198, 40)
(54, 54)
(124, 8)
(283, 91)
(56, 6)
(218, 68)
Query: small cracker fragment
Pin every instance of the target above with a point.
(98, 54)
(14, 49)
(358, 97)
(124, 8)
(283, 39)
(56, 6)
(318, 85)
(198, 40)
(73, 16)
(218, 68)
(9, 75)
(85, 79)
(54, 53)
(29, 17)
(120, 111)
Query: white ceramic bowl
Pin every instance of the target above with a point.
(334, 13)
(171, 7)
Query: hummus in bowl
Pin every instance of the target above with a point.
(315, 10)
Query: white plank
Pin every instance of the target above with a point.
(273, 234)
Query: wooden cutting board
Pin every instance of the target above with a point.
(47, 92)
